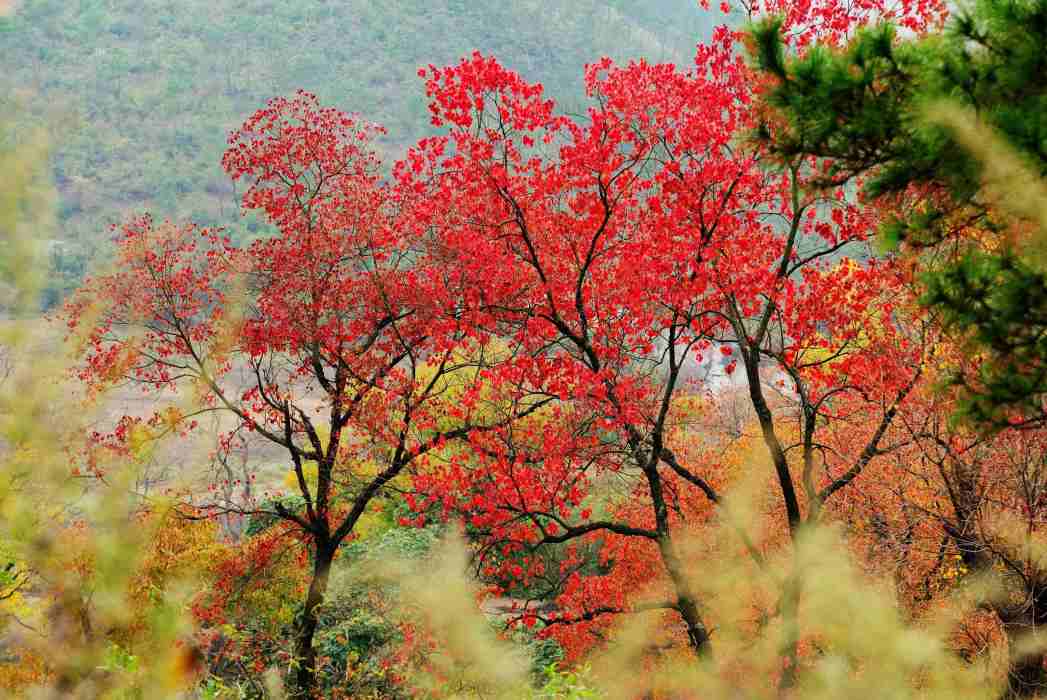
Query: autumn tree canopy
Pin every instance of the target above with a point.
(620, 250)
(535, 322)
(326, 340)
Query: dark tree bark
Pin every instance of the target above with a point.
(305, 672)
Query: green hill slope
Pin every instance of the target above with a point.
(143, 92)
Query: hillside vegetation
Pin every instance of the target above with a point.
(141, 94)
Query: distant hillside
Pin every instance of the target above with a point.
(143, 92)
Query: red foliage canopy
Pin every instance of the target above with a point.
(573, 278)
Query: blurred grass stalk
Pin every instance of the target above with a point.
(42, 430)
(1008, 181)
(859, 641)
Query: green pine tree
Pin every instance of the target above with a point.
(948, 132)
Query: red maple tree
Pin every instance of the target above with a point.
(618, 251)
(333, 339)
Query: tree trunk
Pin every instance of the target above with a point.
(697, 632)
(790, 631)
(1026, 677)
(686, 601)
(304, 678)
